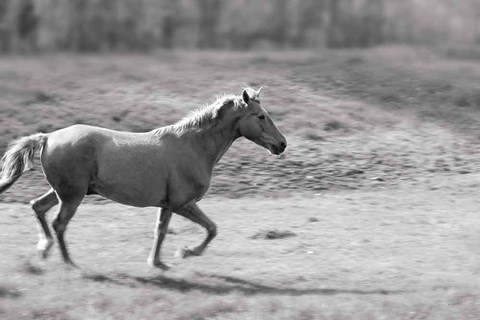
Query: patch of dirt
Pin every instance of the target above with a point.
(273, 234)
(7, 292)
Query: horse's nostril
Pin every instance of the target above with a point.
(283, 145)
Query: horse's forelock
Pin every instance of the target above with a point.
(226, 103)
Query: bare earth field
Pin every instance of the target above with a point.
(376, 195)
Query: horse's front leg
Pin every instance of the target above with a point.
(193, 213)
(163, 219)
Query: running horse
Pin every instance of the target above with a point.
(169, 167)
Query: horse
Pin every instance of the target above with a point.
(169, 167)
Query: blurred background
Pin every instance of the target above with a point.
(124, 25)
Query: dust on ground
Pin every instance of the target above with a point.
(391, 254)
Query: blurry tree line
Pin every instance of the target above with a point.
(103, 25)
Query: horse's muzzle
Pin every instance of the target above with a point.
(278, 149)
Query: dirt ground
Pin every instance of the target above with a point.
(377, 190)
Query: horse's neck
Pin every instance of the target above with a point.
(214, 142)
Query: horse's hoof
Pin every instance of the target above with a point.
(44, 254)
(185, 252)
(158, 264)
(71, 265)
(44, 247)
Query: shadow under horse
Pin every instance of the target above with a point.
(220, 285)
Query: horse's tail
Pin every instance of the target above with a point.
(18, 158)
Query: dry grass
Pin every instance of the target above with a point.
(393, 112)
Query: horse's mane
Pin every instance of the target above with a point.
(204, 116)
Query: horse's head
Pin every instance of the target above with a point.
(257, 126)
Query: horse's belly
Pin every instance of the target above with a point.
(134, 194)
(133, 182)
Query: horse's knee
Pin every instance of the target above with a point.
(58, 226)
(212, 230)
(41, 205)
(37, 210)
(34, 205)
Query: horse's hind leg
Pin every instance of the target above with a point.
(164, 216)
(41, 205)
(193, 213)
(68, 207)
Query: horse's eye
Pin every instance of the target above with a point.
(261, 117)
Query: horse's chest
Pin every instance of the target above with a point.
(195, 188)
(187, 188)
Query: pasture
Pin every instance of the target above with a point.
(372, 213)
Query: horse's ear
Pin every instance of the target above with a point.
(245, 96)
(258, 91)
